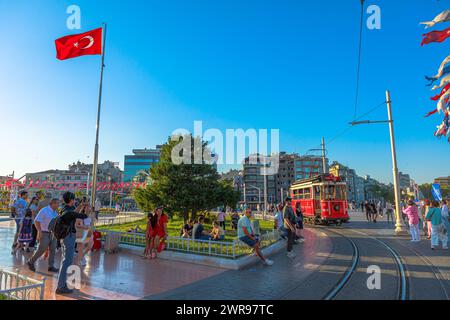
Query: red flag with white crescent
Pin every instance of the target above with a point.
(88, 43)
(436, 36)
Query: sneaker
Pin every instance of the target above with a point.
(445, 248)
(268, 262)
(83, 262)
(31, 266)
(53, 269)
(63, 290)
(301, 240)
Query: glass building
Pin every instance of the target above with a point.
(141, 160)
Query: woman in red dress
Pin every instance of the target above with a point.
(159, 232)
(149, 235)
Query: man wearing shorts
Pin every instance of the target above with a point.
(247, 235)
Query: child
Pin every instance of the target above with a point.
(84, 239)
(217, 233)
(299, 226)
(25, 232)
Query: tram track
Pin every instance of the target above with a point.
(350, 271)
(402, 288)
(436, 273)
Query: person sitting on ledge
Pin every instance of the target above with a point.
(186, 232)
(199, 231)
(246, 234)
(217, 233)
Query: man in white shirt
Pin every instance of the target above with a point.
(45, 237)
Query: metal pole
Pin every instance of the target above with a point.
(94, 169)
(265, 190)
(399, 227)
(282, 195)
(87, 187)
(259, 197)
(324, 161)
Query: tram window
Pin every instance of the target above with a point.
(329, 192)
(300, 194)
(341, 193)
(317, 192)
(307, 194)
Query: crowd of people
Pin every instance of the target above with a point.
(45, 224)
(53, 224)
(432, 218)
(427, 218)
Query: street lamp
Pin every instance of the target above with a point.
(399, 227)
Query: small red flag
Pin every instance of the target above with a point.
(436, 36)
(436, 98)
(88, 43)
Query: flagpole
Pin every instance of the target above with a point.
(95, 165)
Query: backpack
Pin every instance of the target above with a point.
(59, 228)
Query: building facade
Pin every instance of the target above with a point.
(404, 181)
(78, 174)
(292, 167)
(140, 160)
(443, 181)
(254, 183)
(237, 178)
(348, 176)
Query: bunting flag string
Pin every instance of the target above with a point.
(443, 101)
(441, 69)
(431, 113)
(443, 98)
(436, 36)
(63, 185)
(444, 81)
(442, 17)
(436, 98)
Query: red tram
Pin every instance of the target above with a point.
(322, 199)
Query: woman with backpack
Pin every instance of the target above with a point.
(438, 230)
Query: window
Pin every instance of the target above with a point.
(307, 194)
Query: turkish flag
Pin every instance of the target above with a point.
(88, 43)
(436, 36)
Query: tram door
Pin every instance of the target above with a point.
(317, 195)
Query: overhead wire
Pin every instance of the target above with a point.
(358, 73)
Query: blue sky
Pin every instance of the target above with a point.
(287, 65)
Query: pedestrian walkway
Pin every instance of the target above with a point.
(123, 276)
